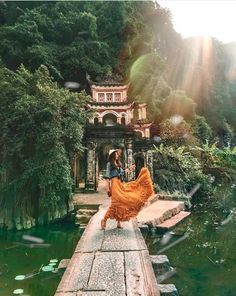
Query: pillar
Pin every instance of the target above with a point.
(129, 158)
(99, 119)
(90, 183)
(149, 161)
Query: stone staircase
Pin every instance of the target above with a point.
(163, 214)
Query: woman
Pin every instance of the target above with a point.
(126, 198)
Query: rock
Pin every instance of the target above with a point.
(63, 263)
(144, 229)
(19, 226)
(160, 264)
(9, 224)
(28, 224)
(84, 215)
(70, 206)
(168, 290)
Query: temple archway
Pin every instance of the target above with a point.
(109, 119)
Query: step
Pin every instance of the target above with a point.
(173, 221)
(159, 211)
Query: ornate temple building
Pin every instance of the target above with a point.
(113, 108)
(117, 123)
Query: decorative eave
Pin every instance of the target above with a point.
(104, 88)
(137, 104)
(110, 104)
(106, 84)
(142, 125)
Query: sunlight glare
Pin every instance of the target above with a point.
(203, 18)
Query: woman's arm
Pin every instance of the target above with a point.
(108, 187)
(107, 177)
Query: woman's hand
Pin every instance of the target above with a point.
(130, 169)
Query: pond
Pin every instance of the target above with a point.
(20, 259)
(205, 261)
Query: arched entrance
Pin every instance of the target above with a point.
(109, 119)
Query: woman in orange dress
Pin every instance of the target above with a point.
(127, 198)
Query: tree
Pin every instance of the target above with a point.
(62, 35)
(177, 103)
(177, 132)
(201, 129)
(42, 129)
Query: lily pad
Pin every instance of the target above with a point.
(18, 291)
(47, 268)
(52, 264)
(20, 277)
(53, 261)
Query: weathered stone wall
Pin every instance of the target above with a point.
(11, 218)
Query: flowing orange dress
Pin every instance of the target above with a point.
(127, 198)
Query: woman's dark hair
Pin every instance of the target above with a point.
(112, 159)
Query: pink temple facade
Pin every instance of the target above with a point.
(112, 108)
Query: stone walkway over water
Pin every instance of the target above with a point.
(114, 262)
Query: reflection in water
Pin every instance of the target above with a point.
(34, 239)
(206, 260)
(166, 275)
(17, 257)
(174, 243)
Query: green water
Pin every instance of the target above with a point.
(206, 260)
(22, 260)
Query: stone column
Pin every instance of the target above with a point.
(119, 120)
(90, 183)
(99, 119)
(129, 158)
(149, 162)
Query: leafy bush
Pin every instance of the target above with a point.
(218, 162)
(201, 129)
(41, 131)
(197, 177)
(176, 133)
(177, 170)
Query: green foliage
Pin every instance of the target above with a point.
(201, 129)
(132, 38)
(177, 103)
(147, 84)
(206, 189)
(177, 170)
(218, 162)
(42, 129)
(227, 133)
(224, 104)
(176, 133)
(65, 36)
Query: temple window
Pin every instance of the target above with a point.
(101, 97)
(123, 120)
(117, 97)
(109, 97)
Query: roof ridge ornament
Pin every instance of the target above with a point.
(109, 79)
